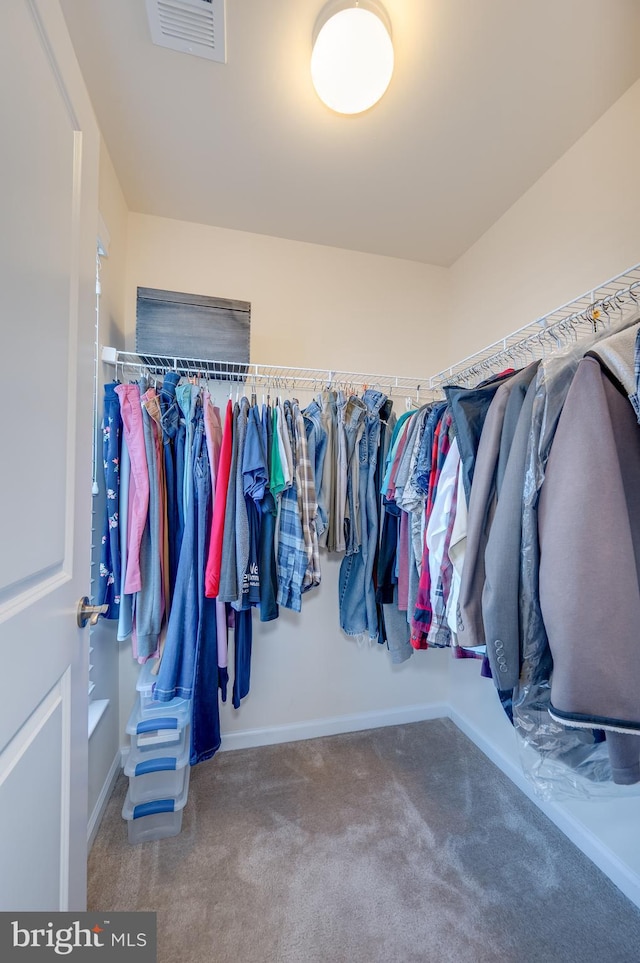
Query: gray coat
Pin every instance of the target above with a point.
(500, 596)
(589, 533)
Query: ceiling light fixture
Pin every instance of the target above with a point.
(352, 59)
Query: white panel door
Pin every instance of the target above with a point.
(48, 224)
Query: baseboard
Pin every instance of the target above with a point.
(593, 847)
(102, 800)
(314, 728)
(573, 828)
(332, 726)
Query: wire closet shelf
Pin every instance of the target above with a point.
(597, 308)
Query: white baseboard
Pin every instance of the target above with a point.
(603, 857)
(102, 800)
(314, 728)
(332, 726)
(573, 828)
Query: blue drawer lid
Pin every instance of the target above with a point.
(177, 717)
(155, 806)
(159, 764)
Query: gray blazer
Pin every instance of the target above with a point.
(482, 504)
(500, 596)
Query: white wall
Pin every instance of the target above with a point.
(106, 739)
(576, 227)
(311, 306)
(315, 306)
(324, 307)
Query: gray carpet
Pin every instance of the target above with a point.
(401, 844)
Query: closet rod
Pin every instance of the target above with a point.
(277, 377)
(532, 340)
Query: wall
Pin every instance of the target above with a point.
(575, 228)
(312, 306)
(105, 741)
(323, 307)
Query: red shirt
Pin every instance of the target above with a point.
(214, 557)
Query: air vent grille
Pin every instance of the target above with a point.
(190, 26)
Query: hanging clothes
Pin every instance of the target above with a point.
(131, 413)
(110, 587)
(358, 612)
(589, 591)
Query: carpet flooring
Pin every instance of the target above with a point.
(398, 845)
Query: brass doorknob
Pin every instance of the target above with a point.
(89, 613)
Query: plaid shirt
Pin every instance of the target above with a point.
(297, 539)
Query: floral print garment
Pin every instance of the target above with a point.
(110, 576)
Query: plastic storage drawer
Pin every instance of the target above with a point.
(156, 774)
(169, 730)
(148, 705)
(155, 819)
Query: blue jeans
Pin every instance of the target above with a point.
(205, 712)
(177, 669)
(358, 612)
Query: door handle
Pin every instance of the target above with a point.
(89, 613)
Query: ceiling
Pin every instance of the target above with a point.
(485, 97)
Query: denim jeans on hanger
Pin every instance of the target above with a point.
(358, 612)
(177, 669)
(205, 712)
(109, 581)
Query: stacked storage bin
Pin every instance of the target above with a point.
(158, 763)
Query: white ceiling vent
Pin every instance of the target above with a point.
(191, 26)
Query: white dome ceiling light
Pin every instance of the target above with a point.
(352, 59)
